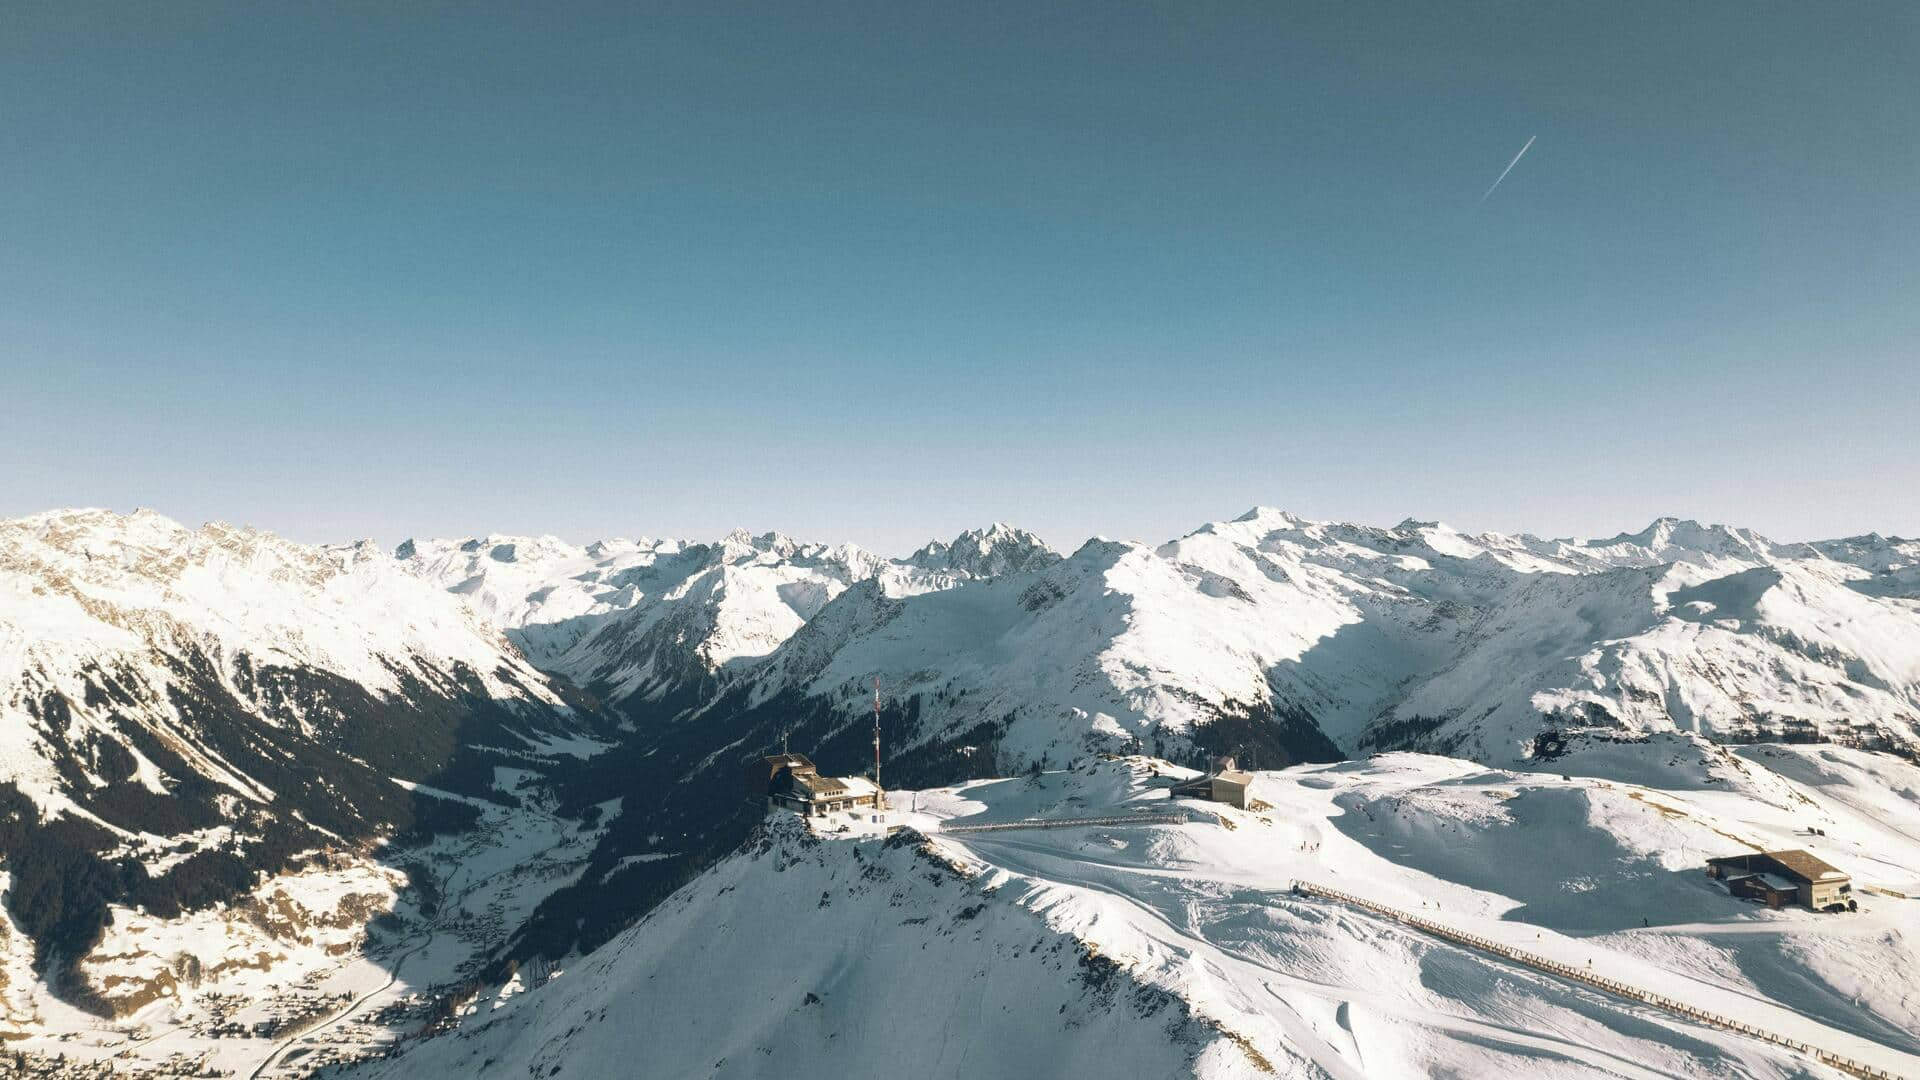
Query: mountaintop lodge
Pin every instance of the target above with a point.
(1224, 783)
(792, 782)
(1780, 878)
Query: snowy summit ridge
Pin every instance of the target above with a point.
(1351, 637)
(1328, 638)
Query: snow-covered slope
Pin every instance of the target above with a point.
(1892, 563)
(111, 623)
(1158, 949)
(1785, 649)
(1114, 646)
(831, 959)
(191, 707)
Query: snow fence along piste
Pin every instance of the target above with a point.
(1070, 823)
(1619, 989)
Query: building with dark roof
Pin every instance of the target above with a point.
(764, 771)
(1785, 877)
(792, 782)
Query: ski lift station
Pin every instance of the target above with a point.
(1224, 783)
(1779, 878)
(792, 782)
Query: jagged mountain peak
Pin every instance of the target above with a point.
(1676, 539)
(998, 549)
(1669, 530)
(1418, 527)
(1105, 551)
(145, 550)
(614, 545)
(344, 608)
(1272, 517)
(1872, 543)
(72, 528)
(1254, 526)
(740, 544)
(500, 547)
(772, 548)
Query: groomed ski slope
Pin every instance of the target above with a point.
(1568, 869)
(1222, 972)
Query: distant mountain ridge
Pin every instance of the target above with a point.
(1370, 637)
(644, 619)
(1344, 636)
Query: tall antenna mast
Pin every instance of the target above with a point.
(876, 743)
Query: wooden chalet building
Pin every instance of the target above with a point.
(1780, 878)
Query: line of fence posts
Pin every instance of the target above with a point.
(1069, 823)
(1825, 1057)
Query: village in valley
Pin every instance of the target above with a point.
(376, 957)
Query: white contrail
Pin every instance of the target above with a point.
(1510, 165)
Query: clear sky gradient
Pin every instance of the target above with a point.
(879, 272)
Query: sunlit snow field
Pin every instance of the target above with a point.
(787, 957)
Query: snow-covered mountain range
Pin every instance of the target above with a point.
(1351, 637)
(646, 619)
(187, 713)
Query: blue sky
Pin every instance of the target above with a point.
(883, 271)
